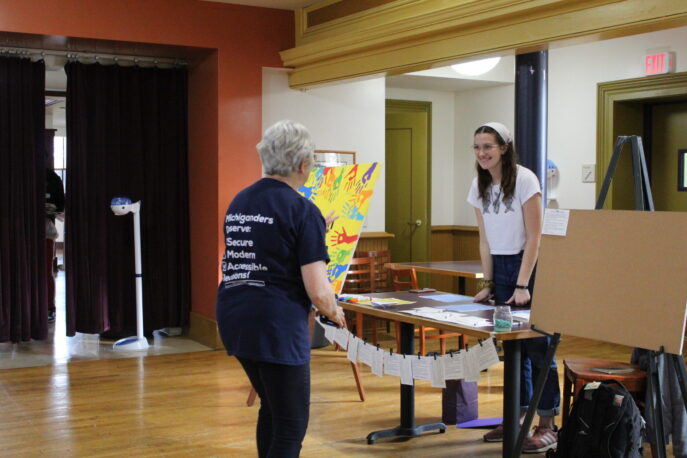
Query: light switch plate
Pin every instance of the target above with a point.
(588, 173)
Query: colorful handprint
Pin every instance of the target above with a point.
(347, 193)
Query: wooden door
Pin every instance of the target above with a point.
(668, 136)
(407, 179)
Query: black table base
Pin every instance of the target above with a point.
(400, 431)
(407, 428)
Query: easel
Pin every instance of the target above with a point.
(644, 202)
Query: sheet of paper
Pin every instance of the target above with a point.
(449, 297)
(474, 322)
(521, 315)
(488, 356)
(422, 367)
(341, 336)
(474, 307)
(438, 380)
(378, 362)
(328, 330)
(555, 221)
(406, 370)
(365, 352)
(471, 365)
(449, 317)
(352, 352)
(422, 310)
(392, 364)
(453, 366)
(389, 301)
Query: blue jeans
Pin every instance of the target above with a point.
(506, 269)
(284, 406)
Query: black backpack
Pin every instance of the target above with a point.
(604, 423)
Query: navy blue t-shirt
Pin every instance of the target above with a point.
(270, 231)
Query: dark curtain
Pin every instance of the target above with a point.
(126, 136)
(23, 287)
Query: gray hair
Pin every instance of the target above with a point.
(284, 145)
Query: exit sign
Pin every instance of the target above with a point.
(659, 63)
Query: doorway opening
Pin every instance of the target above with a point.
(408, 170)
(654, 108)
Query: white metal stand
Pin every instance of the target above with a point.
(139, 341)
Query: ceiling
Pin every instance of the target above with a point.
(278, 4)
(445, 79)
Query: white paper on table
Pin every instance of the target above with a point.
(449, 316)
(555, 221)
(438, 380)
(406, 370)
(378, 362)
(423, 311)
(521, 315)
(422, 367)
(453, 366)
(488, 356)
(341, 336)
(365, 352)
(392, 364)
(474, 322)
(471, 365)
(352, 352)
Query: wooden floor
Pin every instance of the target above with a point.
(193, 404)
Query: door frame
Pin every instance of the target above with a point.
(643, 89)
(420, 107)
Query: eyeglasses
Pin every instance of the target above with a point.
(486, 147)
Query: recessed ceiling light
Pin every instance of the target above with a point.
(476, 67)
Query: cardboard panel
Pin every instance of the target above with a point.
(617, 276)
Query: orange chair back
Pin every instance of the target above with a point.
(361, 276)
(403, 279)
(382, 258)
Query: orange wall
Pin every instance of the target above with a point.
(225, 102)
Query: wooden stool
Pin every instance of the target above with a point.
(578, 373)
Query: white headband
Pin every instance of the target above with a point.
(501, 129)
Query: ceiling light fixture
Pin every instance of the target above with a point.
(476, 67)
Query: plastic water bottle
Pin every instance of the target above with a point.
(503, 318)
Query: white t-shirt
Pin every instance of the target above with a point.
(504, 223)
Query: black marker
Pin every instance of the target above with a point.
(325, 320)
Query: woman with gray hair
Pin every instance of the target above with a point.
(273, 268)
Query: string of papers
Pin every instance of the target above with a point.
(466, 364)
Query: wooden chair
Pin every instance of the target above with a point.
(578, 372)
(405, 279)
(381, 259)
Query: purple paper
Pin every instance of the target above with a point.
(481, 423)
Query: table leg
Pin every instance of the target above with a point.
(511, 395)
(461, 285)
(407, 427)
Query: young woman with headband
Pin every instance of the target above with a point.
(508, 205)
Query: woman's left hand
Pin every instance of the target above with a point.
(329, 220)
(520, 297)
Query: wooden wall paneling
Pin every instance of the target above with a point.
(442, 250)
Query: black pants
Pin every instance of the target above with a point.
(284, 406)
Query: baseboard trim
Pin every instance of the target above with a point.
(204, 330)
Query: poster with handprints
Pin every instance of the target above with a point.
(346, 190)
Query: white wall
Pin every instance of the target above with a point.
(474, 108)
(573, 76)
(346, 116)
(443, 123)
